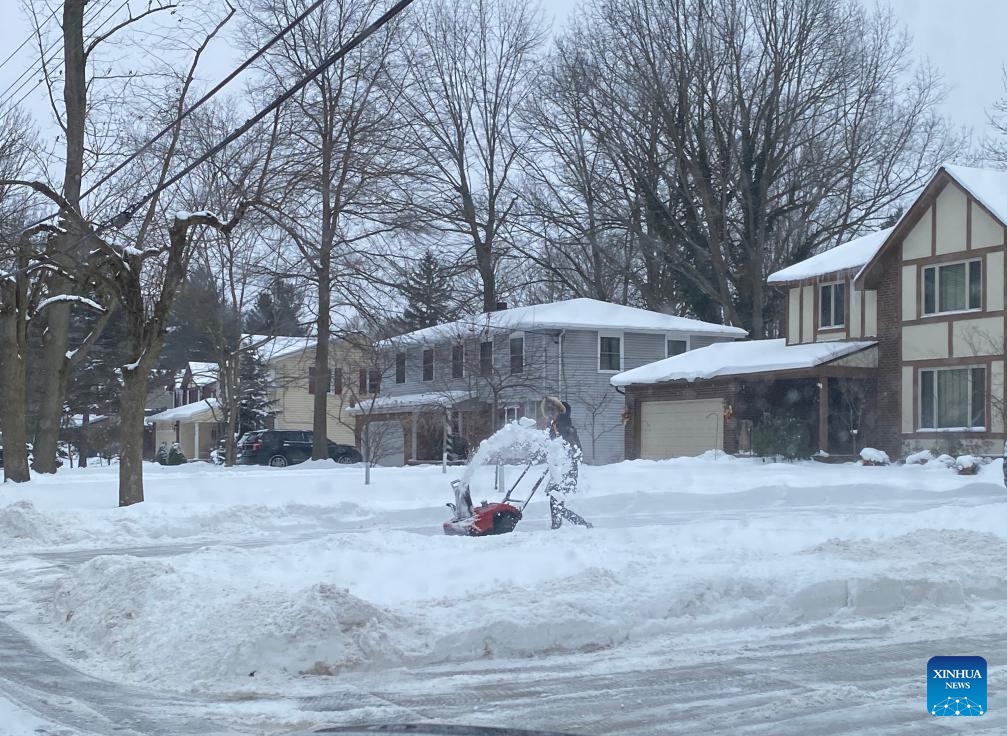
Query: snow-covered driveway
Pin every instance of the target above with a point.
(713, 596)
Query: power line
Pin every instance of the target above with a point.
(123, 217)
(28, 40)
(206, 98)
(48, 55)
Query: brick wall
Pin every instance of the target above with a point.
(678, 391)
(889, 394)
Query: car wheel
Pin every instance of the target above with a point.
(278, 461)
(348, 458)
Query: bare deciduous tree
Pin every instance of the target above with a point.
(471, 66)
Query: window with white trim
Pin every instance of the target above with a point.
(428, 364)
(953, 398)
(953, 287)
(512, 413)
(517, 354)
(675, 347)
(609, 352)
(831, 305)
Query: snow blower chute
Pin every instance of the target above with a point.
(487, 518)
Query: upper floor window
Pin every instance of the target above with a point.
(953, 287)
(458, 361)
(400, 368)
(832, 305)
(369, 382)
(486, 358)
(428, 364)
(953, 398)
(609, 353)
(517, 355)
(676, 347)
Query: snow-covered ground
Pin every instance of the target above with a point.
(283, 598)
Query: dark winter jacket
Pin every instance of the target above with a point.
(562, 426)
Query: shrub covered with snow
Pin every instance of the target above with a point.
(946, 460)
(967, 465)
(871, 456)
(919, 458)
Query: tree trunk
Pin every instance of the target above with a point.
(82, 443)
(320, 423)
(50, 408)
(58, 315)
(131, 412)
(13, 388)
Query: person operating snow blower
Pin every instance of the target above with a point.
(557, 412)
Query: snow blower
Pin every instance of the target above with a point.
(487, 518)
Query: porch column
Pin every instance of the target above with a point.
(823, 413)
(416, 416)
(195, 449)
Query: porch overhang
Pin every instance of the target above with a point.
(408, 403)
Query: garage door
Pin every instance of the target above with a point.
(676, 428)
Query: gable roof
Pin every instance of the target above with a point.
(987, 187)
(843, 257)
(738, 358)
(584, 314)
(273, 347)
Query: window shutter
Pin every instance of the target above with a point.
(311, 379)
(362, 381)
(337, 381)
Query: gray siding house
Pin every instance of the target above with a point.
(470, 377)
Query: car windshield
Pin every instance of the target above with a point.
(595, 367)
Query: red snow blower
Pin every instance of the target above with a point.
(488, 518)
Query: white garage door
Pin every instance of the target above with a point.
(676, 428)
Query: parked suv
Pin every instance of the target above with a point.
(282, 447)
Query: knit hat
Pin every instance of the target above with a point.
(552, 405)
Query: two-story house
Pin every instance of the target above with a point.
(894, 340)
(471, 376)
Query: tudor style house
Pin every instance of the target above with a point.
(469, 377)
(894, 340)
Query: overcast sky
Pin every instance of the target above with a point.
(962, 38)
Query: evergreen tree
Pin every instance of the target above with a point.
(429, 294)
(255, 404)
(276, 311)
(195, 317)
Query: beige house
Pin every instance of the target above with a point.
(194, 420)
(290, 361)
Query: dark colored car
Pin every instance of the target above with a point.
(282, 447)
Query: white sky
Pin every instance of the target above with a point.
(962, 38)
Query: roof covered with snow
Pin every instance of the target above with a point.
(203, 374)
(197, 411)
(585, 314)
(849, 255)
(408, 402)
(280, 346)
(738, 358)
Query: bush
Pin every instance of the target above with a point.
(784, 436)
(176, 456)
(161, 456)
(870, 456)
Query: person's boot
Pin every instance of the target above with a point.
(556, 510)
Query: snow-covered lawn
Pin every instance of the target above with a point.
(302, 575)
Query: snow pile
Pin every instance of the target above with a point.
(870, 456)
(946, 460)
(22, 524)
(919, 458)
(158, 622)
(521, 442)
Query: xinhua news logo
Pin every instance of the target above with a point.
(956, 686)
